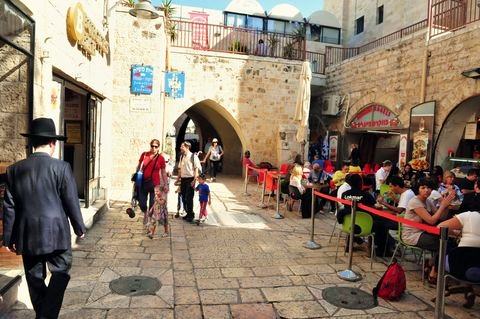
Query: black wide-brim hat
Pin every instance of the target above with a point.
(43, 127)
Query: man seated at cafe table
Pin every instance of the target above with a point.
(397, 186)
(320, 177)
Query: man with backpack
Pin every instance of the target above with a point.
(188, 171)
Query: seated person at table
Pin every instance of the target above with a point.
(422, 210)
(355, 182)
(463, 262)
(397, 186)
(466, 184)
(448, 186)
(297, 191)
(467, 226)
(471, 201)
(247, 161)
(318, 176)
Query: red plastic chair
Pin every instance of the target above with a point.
(367, 169)
(284, 168)
(377, 167)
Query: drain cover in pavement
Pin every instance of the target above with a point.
(347, 297)
(135, 285)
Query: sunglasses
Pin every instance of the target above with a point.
(154, 146)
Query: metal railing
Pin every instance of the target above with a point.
(335, 55)
(451, 15)
(220, 38)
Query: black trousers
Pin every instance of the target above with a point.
(187, 191)
(47, 300)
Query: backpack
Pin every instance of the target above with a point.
(192, 159)
(392, 284)
(266, 165)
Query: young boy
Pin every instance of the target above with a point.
(204, 197)
(158, 214)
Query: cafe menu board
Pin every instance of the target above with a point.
(142, 79)
(421, 135)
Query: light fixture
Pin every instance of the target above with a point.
(472, 73)
(383, 132)
(144, 10)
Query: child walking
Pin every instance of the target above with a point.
(158, 214)
(204, 197)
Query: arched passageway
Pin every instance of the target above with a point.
(212, 120)
(453, 136)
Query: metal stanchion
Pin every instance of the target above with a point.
(277, 214)
(440, 299)
(312, 244)
(348, 274)
(246, 181)
(262, 195)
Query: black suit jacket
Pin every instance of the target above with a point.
(40, 199)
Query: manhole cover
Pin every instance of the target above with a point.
(347, 297)
(135, 285)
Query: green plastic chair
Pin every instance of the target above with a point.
(404, 246)
(365, 221)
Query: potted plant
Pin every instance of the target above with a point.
(273, 42)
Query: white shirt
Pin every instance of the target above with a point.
(380, 177)
(187, 168)
(405, 197)
(470, 230)
(342, 189)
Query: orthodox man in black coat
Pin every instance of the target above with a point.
(40, 200)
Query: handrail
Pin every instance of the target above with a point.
(335, 55)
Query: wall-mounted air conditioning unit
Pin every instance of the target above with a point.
(330, 104)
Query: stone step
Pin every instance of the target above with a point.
(9, 288)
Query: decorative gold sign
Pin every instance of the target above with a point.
(82, 30)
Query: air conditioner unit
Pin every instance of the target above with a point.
(330, 104)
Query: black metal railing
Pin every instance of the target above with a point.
(335, 55)
(451, 15)
(220, 38)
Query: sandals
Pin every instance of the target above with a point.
(165, 235)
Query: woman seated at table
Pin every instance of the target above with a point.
(463, 262)
(420, 209)
(298, 191)
(448, 186)
(247, 161)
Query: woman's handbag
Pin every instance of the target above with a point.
(147, 183)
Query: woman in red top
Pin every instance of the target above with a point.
(152, 164)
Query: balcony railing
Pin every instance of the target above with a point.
(450, 15)
(219, 38)
(335, 55)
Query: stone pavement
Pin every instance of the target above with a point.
(242, 263)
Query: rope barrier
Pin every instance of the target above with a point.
(441, 232)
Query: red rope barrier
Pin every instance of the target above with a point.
(430, 229)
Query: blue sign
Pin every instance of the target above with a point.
(175, 84)
(142, 79)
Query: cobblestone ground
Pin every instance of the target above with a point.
(241, 263)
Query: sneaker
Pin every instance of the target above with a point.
(177, 215)
(198, 222)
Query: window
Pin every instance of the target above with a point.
(380, 15)
(324, 34)
(359, 25)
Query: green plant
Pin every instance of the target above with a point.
(128, 3)
(299, 34)
(273, 42)
(288, 50)
(237, 46)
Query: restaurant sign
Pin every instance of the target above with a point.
(375, 117)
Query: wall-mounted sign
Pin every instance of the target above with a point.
(375, 116)
(175, 84)
(142, 79)
(73, 131)
(82, 30)
(422, 119)
(333, 147)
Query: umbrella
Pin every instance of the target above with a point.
(302, 106)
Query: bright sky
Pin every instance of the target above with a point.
(306, 7)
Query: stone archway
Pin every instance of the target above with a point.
(212, 120)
